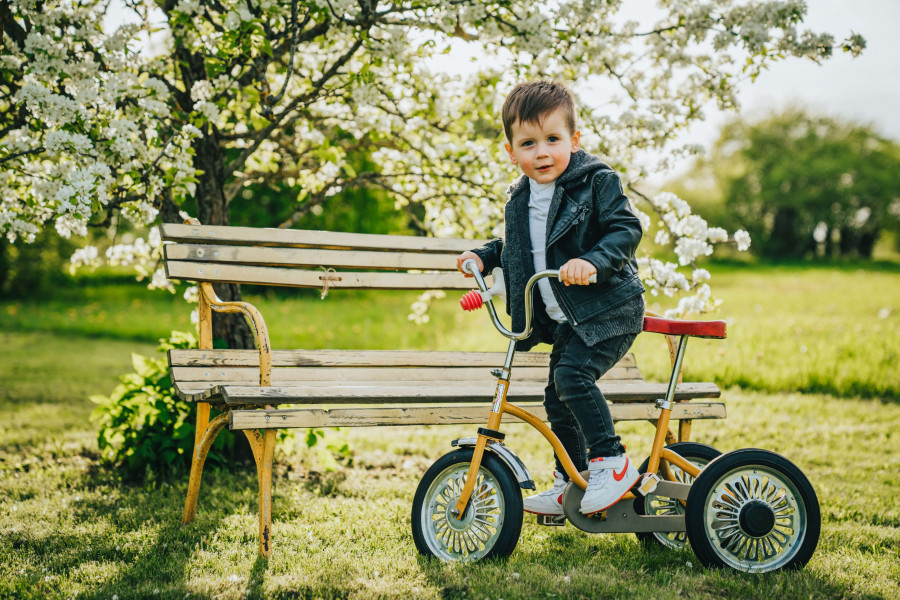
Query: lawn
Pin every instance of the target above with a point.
(71, 528)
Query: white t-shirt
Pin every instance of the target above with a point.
(538, 209)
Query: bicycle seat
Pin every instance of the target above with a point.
(704, 329)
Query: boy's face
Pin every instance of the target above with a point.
(543, 150)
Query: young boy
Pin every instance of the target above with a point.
(569, 213)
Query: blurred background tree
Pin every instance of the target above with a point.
(802, 185)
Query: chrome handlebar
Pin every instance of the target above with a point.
(471, 267)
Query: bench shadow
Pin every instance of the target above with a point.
(159, 563)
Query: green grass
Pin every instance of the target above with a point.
(70, 528)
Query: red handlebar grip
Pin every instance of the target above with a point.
(471, 300)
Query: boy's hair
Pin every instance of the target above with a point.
(528, 102)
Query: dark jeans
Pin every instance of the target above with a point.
(577, 411)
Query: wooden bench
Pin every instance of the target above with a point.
(348, 387)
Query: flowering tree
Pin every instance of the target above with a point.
(97, 125)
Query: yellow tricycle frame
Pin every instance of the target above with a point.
(660, 457)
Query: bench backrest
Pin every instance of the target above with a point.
(306, 258)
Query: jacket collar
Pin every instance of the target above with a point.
(581, 166)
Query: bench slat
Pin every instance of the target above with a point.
(258, 236)
(331, 376)
(445, 415)
(204, 271)
(310, 257)
(362, 358)
(615, 391)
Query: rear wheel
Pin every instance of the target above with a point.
(753, 510)
(698, 454)
(493, 518)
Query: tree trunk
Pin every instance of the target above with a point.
(866, 242)
(4, 266)
(784, 241)
(229, 330)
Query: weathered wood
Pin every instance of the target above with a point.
(310, 257)
(332, 376)
(201, 271)
(227, 393)
(351, 358)
(311, 238)
(444, 415)
(363, 358)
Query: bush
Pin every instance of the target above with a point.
(146, 429)
(144, 426)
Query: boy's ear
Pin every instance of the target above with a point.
(509, 151)
(576, 141)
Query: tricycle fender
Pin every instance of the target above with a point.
(515, 464)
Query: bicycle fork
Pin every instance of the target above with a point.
(492, 433)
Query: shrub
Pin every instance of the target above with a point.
(145, 428)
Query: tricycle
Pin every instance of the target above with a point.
(750, 510)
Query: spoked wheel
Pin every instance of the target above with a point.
(492, 521)
(753, 510)
(698, 454)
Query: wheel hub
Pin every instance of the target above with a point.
(466, 520)
(757, 519)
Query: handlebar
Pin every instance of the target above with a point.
(471, 267)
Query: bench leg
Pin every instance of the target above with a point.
(203, 443)
(684, 430)
(263, 446)
(670, 435)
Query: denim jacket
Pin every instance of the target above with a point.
(589, 218)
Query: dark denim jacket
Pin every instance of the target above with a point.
(589, 218)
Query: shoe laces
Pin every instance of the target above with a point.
(559, 485)
(599, 479)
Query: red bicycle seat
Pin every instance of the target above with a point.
(704, 329)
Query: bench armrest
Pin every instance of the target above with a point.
(257, 323)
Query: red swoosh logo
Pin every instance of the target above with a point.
(619, 476)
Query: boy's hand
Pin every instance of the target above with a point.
(466, 256)
(577, 271)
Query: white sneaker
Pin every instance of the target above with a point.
(548, 502)
(611, 478)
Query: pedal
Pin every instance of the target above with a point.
(552, 520)
(648, 485)
(598, 516)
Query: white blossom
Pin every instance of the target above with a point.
(742, 239)
(106, 122)
(86, 256)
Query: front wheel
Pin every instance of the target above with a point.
(752, 510)
(492, 521)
